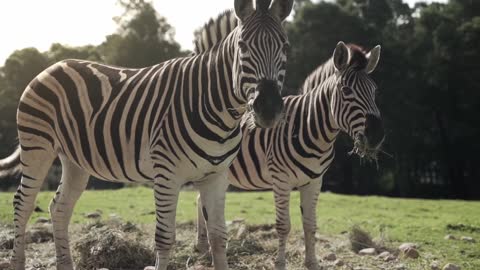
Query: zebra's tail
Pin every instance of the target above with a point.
(11, 165)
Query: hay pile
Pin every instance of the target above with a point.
(108, 245)
(360, 239)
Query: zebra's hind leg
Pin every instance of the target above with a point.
(36, 161)
(166, 198)
(202, 238)
(212, 195)
(308, 203)
(282, 203)
(73, 183)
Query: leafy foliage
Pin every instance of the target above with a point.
(428, 81)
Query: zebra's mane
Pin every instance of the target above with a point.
(214, 31)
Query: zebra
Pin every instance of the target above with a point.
(338, 96)
(169, 124)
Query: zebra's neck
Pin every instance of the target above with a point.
(320, 112)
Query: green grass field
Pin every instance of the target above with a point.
(425, 222)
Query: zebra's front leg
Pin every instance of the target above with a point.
(282, 203)
(308, 205)
(212, 196)
(166, 193)
(202, 237)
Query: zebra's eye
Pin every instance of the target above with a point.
(286, 48)
(347, 90)
(243, 47)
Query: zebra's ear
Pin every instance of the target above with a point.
(341, 56)
(281, 8)
(373, 57)
(243, 9)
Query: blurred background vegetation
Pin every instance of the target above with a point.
(428, 78)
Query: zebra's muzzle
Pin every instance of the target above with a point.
(268, 104)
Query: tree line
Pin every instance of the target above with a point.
(428, 79)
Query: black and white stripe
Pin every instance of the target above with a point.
(171, 123)
(338, 96)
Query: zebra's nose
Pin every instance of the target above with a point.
(268, 104)
(374, 130)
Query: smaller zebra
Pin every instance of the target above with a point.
(338, 96)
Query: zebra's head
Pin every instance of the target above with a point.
(353, 98)
(260, 58)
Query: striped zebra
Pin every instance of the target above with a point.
(172, 123)
(338, 96)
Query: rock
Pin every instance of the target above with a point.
(4, 265)
(404, 246)
(149, 268)
(42, 220)
(451, 266)
(338, 262)
(449, 237)
(410, 253)
(468, 239)
(390, 258)
(367, 251)
(434, 266)
(93, 215)
(384, 254)
(330, 257)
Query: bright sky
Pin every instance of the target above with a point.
(30, 23)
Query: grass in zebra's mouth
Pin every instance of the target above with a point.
(365, 152)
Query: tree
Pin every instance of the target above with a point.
(59, 52)
(313, 34)
(144, 38)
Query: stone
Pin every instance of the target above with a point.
(42, 220)
(384, 254)
(404, 246)
(390, 258)
(93, 215)
(468, 239)
(451, 266)
(449, 237)
(434, 266)
(338, 262)
(367, 251)
(411, 253)
(330, 257)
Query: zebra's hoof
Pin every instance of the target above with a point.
(280, 265)
(201, 248)
(312, 266)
